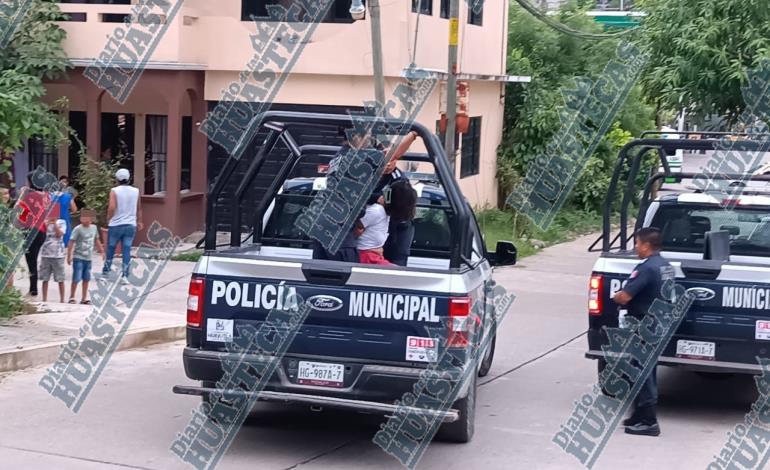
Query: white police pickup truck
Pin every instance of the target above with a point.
(366, 338)
(719, 246)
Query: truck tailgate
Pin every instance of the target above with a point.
(364, 323)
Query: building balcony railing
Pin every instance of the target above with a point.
(214, 36)
(95, 27)
(614, 5)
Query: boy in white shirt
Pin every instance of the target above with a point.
(375, 231)
(52, 256)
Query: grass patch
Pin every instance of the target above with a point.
(502, 225)
(192, 256)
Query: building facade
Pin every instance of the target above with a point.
(206, 46)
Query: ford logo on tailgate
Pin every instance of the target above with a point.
(325, 303)
(701, 293)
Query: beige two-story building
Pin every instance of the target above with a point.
(202, 48)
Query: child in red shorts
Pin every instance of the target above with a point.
(375, 231)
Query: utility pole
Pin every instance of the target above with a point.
(379, 78)
(451, 102)
(358, 12)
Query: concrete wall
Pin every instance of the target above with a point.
(211, 34)
(335, 67)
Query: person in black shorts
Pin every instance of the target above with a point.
(642, 288)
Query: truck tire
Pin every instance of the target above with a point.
(600, 365)
(486, 361)
(461, 431)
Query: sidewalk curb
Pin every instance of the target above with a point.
(46, 354)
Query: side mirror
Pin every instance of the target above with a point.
(732, 230)
(504, 255)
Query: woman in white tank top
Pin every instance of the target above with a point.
(125, 216)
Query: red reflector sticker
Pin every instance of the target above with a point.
(421, 349)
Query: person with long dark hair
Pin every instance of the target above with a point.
(401, 206)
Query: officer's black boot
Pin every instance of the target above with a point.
(647, 424)
(633, 419)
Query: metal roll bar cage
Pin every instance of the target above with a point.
(278, 123)
(663, 147)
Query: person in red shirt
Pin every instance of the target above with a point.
(33, 207)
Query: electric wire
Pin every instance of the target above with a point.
(532, 10)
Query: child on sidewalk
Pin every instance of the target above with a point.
(81, 249)
(52, 256)
(375, 231)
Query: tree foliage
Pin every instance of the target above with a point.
(554, 60)
(34, 53)
(701, 50)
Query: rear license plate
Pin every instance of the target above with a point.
(695, 349)
(762, 331)
(321, 374)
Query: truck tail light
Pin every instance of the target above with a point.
(595, 294)
(195, 301)
(459, 322)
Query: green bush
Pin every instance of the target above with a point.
(11, 302)
(531, 120)
(96, 179)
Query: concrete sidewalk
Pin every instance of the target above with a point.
(35, 339)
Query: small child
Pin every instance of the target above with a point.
(375, 232)
(52, 256)
(79, 253)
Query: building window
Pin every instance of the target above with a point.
(118, 138)
(471, 150)
(41, 154)
(156, 154)
(425, 6)
(445, 9)
(339, 11)
(186, 153)
(473, 17)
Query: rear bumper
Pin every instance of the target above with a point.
(447, 416)
(699, 365)
(363, 383)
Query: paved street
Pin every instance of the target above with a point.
(131, 416)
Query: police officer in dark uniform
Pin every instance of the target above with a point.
(642, 288)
